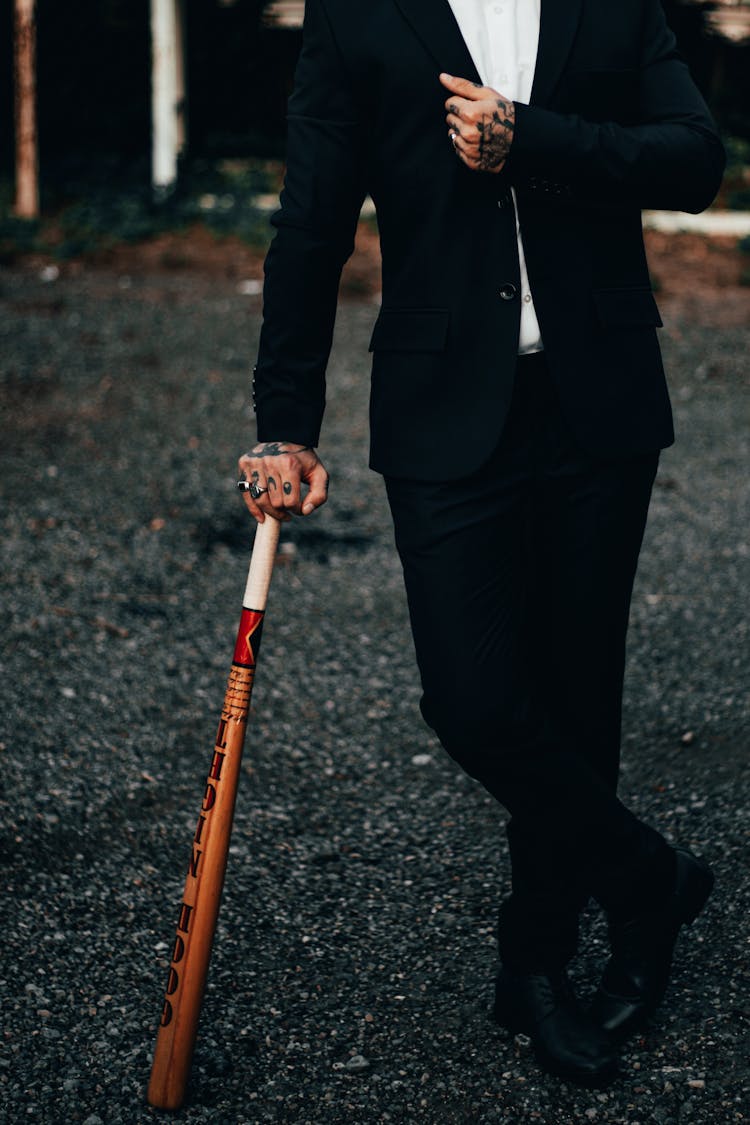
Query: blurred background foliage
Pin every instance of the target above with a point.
(82, 216)
(94, 118)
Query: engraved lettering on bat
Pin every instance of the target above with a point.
(178, 952)
(217, 762)
(235, 710)
(183, 922)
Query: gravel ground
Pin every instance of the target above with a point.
(353, 968)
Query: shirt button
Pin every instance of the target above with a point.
(498, 10)
(508, 291)
(527, 298)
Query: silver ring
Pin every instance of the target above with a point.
(254, 489)
(453, 138)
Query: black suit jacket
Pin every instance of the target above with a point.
(614, 124)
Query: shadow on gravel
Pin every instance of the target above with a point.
(316, 543)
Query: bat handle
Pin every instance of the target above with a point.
(261, 564)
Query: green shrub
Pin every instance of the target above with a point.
(738, 155)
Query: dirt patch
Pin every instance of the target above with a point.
(694, 275)
(198, 248)
(700, 278)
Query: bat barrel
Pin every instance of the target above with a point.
(199, 908)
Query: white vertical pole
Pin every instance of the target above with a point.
(27, 158)
(167, 91)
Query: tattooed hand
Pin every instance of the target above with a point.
(480, 124)
(282, 468)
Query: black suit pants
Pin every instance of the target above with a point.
(519, 580)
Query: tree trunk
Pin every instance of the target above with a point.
(27, 160)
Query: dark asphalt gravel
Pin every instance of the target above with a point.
(353, 969)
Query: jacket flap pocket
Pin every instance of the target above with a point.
(627, 306)
(410, 330)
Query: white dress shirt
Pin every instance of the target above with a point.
(503, 40)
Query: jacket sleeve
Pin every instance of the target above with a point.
(315, 228)
(671, 158)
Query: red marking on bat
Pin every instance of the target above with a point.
(251, 623)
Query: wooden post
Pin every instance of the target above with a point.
(27, 160)
(167, 91)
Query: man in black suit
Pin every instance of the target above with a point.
(518, 408)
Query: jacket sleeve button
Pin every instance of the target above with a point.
(508, 291)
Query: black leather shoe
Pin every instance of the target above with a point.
(636, 975)
(566, 1041)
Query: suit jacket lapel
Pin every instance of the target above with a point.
(560, 19)
(434, 23)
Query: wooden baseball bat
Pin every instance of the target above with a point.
(199, 908)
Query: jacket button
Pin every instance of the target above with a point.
(508, 291)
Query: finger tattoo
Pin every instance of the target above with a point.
(287, 488)
(271, 484)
